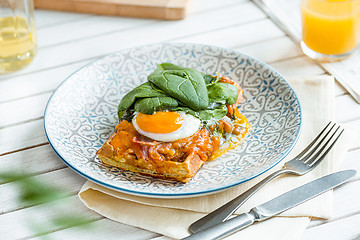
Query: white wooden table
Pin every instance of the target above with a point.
(68, 41)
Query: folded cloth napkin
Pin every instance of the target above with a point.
(172, 217)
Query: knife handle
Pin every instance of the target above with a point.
(225, 228)
(224, 212)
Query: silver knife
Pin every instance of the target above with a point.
(275, 206)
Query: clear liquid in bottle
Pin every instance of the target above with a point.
(17, 43)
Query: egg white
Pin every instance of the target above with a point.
(189, 126)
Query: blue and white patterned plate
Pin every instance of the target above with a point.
(82, 113)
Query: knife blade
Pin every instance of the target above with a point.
(275, 206)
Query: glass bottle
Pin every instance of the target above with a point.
(18, 44)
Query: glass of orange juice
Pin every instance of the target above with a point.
(330, 28)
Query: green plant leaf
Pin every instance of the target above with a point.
(213, 114)
(151, 105)
(69, 220)
(205, 115)
(169, 66)
(210, 80)
(223, 93)
(186, 85)
(32, 191)
(143, 91)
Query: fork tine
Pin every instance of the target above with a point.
(314, 161)
(318, 144)
(313, 156)
(314, 141)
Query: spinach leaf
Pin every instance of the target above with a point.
(185, 110)
(213, 105)
(210, 80)
(166, 66)
(222, 93)
(144, 90)
(204, 115)
(213, 114)
(151, 105)
(207, 78)
(170, 66)
(186, 85)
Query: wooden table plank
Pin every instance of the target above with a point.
(65, 179)
(347, 228)
(347, 109)
(346, 201)
(31, 161)
(354, 127)
(18, 224)
(206, 5)
(45, 18)
(78, 30)
(339, 90)
(272, 50)
(303, 67)
(107, 229)
(69, 31)
(17, 111)
(231, 37)
(36, 83)
(27, 135)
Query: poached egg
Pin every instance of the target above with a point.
(166, 126)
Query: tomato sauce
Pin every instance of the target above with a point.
(128, 141)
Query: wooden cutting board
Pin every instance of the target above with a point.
(158, 9)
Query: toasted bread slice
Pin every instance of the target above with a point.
(169, 170)
(179, 160)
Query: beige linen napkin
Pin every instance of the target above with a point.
(171, 217)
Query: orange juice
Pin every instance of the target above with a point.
(331, 27)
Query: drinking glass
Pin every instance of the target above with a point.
(18, 44)
(330, 28)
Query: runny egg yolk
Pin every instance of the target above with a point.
(160, 122)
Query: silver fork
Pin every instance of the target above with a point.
(303, 163)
